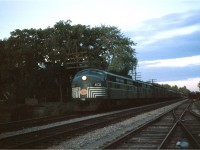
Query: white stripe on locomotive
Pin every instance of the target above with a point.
(76, 92)
(93, 92)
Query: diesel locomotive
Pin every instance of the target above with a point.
(95, 84)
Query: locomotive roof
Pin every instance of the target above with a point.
(106, 72)
(112, 74)
(136, 81)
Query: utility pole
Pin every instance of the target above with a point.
(153, 80)
(135, 74)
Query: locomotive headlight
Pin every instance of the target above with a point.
(84, 78)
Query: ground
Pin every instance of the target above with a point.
(19, 112)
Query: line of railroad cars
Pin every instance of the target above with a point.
(94, 84)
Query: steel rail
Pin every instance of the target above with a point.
(36, 140)
(127, 136)
(179, 122)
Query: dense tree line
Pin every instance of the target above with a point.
(195, 95)
(37, 62)
(183, 89)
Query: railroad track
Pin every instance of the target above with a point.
(175, 129)
(47, 137)
(191, 121)
(21, 124)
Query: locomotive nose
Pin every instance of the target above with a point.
(84, 84)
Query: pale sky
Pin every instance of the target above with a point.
(167, 32)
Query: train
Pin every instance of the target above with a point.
(95, 84)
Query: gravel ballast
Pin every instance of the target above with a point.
(97, 138)
(51, 125)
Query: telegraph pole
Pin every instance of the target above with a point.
(153, 80)
(135, 74)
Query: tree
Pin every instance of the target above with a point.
(4, 72)
(24, 54)
(166, 86)
(40, 62)
(114, 51)
(175, 88)
(184, 90)
(199, 85)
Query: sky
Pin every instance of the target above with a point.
(167, 32)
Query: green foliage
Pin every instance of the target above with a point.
(199, 85)
(40, 62)
(183, 89)
(115, 50)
